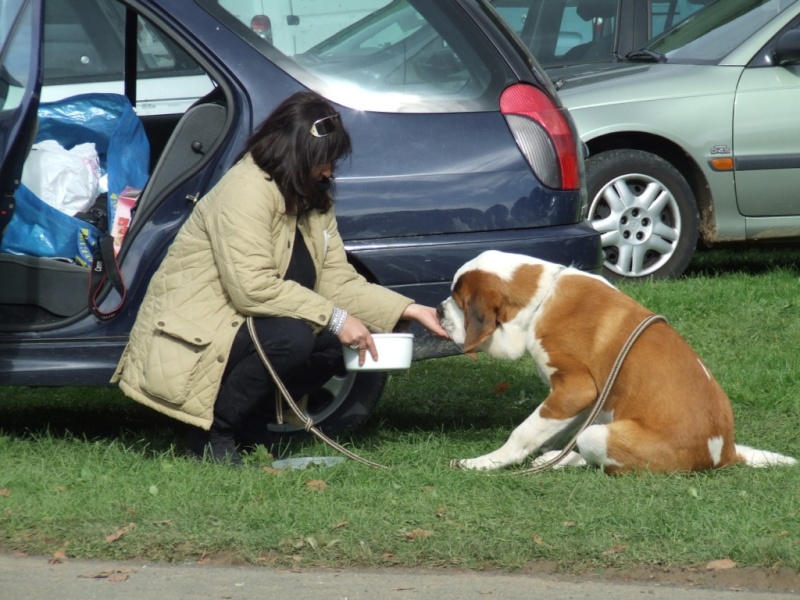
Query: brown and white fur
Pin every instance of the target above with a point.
(666, 412)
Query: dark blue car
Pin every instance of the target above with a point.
(460, 145)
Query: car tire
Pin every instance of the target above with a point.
(645, 212)
(341, 406)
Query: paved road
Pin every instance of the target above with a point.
(33, 578)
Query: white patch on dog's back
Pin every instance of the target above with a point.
(715, 448)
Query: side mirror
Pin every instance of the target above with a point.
(787, 48)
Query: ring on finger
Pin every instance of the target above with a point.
(354, 346)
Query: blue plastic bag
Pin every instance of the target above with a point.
(107, 120)
(110, 122)
(38, 229)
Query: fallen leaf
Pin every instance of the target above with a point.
(415, 534)
(270, 558)
(316, 485)
(440, 512)
(59, 556)
(721, 565)
(270, 471)
(340, 525)
(569, 523)
(5, 493)
(111, 575)
(120, 532)
(538, 541)
(427, 488)
(614, 550)
(501, 388)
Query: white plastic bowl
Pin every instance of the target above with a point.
(394, 353)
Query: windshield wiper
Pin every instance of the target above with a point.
(646, 55)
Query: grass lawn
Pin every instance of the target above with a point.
(92, 474)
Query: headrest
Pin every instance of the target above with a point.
(593, 9)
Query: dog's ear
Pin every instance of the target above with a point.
(480, 318)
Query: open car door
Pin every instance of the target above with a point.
(20, 84)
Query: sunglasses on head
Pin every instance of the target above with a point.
(325, 126)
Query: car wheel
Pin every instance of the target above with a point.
(645, 212)
(340, 406)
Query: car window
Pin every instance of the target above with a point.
(409, 55)
(84, 51)
(664, 15)
(15, 56)
(561, 31)
(86, 42)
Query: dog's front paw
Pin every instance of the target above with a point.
(457, 464)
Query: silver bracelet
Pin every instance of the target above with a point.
(338, 317)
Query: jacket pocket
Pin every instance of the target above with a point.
(173, 362)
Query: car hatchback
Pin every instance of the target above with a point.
(460, 145)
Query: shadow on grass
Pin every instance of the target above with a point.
(750, 260)
(106, 415)
(85, 413)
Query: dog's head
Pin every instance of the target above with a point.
(492, 301)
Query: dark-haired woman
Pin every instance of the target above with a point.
(262, 243)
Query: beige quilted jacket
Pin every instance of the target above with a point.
(227, 262)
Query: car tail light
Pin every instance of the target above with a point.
(543, 134)
(262, 26)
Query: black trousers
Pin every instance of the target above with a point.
(303, 361)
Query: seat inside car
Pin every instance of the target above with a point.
(596, 12)
(194, 136)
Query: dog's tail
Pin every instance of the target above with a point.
(762, 458)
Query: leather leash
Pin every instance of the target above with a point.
(308, 423)
(601, 400)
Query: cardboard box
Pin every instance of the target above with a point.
(122, 215)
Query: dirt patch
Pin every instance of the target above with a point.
(736, 578)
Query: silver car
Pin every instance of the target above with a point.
(695, 138)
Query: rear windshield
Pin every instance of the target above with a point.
(387, 55)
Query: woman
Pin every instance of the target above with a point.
(262, 243)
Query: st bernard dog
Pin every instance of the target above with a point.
(665, 411)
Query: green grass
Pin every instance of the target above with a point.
(78, 465)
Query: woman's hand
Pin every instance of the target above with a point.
(356, 335)
(425, 316)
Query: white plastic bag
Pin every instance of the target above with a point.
(65, 179)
